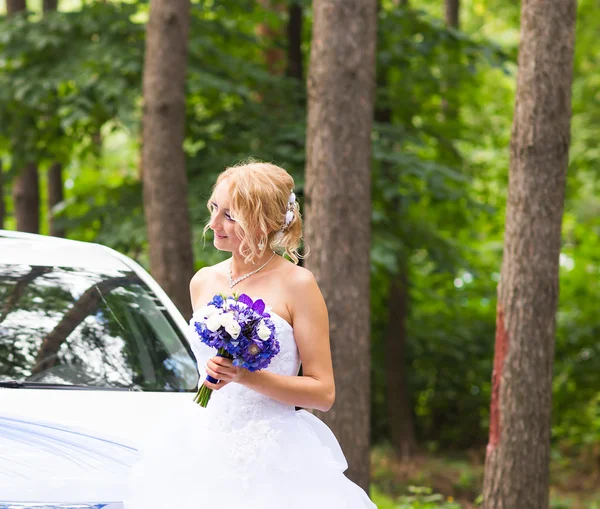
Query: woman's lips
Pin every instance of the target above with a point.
(220, 236)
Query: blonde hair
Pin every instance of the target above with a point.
(259, 194)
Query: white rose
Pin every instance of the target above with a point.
(206, 312)
(210, 310)
(231, 326)
(213, 323)
(263, 331)
(233, 329)
(227, 318)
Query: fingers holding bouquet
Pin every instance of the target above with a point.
(223, 370)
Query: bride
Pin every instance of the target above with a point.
(250, 448)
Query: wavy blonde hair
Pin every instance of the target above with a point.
(259, 194)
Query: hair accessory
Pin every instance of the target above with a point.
(289, 215)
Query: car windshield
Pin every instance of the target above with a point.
(103, 329)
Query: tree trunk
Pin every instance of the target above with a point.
(294, 32)
(450, 107)
(55, 182)
(400, 415)
(55, 196)
(517, 460)
(399, 408)
(341, 87)
(2, 209)
(25, 188)
(50, 5)
(452, 13)
(272, 37)
(26, 199)
(163, 172)
(14, 6)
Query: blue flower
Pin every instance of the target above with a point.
(217, 301)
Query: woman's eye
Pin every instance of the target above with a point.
(228, 217)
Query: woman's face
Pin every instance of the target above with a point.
(221, 222)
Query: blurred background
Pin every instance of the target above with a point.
(70, 145)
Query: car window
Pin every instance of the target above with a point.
(97, 328)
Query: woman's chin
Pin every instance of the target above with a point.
(221, 244)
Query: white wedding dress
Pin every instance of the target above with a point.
(245, 451)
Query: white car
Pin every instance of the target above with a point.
(91, 348)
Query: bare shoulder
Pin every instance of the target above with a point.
(199, 277)
(303, 291)
(207, 272)
(202, 278)
(298, 278)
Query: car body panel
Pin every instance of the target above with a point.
(60, 447)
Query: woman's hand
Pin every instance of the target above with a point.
(223, 370)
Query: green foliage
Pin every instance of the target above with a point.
(419, 498)
(64, 76)
(423, 498)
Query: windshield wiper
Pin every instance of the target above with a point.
(16, 384)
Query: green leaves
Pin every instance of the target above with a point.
(65, 75)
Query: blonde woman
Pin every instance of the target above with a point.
(250, 448)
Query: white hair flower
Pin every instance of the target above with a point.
(289, 216)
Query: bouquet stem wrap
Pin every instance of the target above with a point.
(204, 393)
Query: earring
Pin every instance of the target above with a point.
(261, 245)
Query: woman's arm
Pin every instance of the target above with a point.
(316, 387)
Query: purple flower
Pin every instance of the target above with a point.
(258, 306)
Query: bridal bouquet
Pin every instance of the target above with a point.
(239, 329)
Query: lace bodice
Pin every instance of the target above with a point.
(236, 405)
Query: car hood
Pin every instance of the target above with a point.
(74, 446)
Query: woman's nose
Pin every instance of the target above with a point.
(213, 223)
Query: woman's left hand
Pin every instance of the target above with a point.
(223, 369)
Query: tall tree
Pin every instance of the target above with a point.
(341, 85)
(517, 461)
(399, 407)
(452, 80)
(14, 6)
(25, 188)
(55, 196)
(163, 161)
(452, 13)
(271, 36)
(1, 196)
(55, 180)
(26, 199)
(295, 67)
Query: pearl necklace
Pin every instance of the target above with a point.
(233, 282)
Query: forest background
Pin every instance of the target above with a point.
(71, 109)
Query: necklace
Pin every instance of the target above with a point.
(233, 282)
